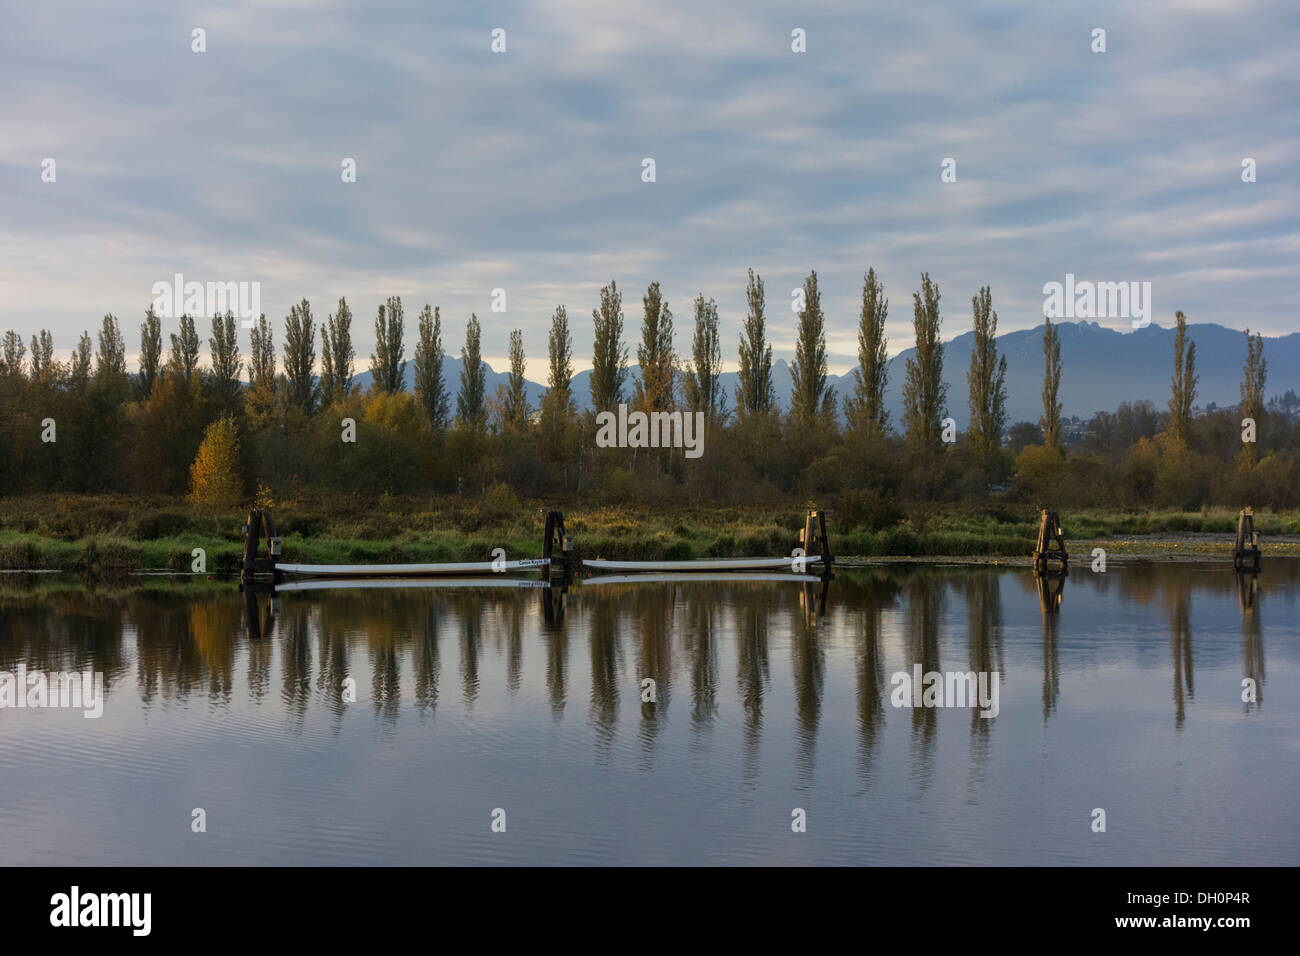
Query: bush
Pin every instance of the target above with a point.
(19, 556)
(159, 524)
(1039, 470)
(306, 524)
(499, 503)
(214, 475)
(112, 557)
(724, 546)
(869, 510)
(678, 551)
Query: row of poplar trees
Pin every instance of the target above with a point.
(169, 401)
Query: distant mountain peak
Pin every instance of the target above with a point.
(1101, 367)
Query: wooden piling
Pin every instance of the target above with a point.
(1246, 554)
(557, 546)
(1051, 546)
(814, 539)
(250, 545)
(260, 525)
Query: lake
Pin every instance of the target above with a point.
(456, 725)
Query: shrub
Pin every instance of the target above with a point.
(159, 524)
(214, 475)
(499, 503)
(678, 551)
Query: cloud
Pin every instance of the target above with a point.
(523, 170)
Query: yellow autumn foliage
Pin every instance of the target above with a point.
(214, 476)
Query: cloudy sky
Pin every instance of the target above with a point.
(522, 170)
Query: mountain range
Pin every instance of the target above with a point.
(1100, 368)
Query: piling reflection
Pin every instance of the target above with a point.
(658, 650)
(808, 667)
(556, 637)
(1252, 641)
(1180, 636)
(1051, 592)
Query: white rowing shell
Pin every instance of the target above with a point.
(322, 584)
(703, 564)
(408, 570)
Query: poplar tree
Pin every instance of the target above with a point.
(1051, 420)
(560, 377)
(110, 357)
(754, 393)
(185, 349)
(387, 367)
(609, 354)
(43, 364)
(79, 367)
(1254, 374)
(987, 379)
(470, 403)
(655, 353)
(865, 409)
(261, 366)
(300, 357)
(703, 393)
(11, 355)
(226, 363)
(429, 386)
(557, 403)
(1183, 385)
(925, 394)
(261, 373)
(150, 352)
(813, 401)
(337, 355)
(516, 407)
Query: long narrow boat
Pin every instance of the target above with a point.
(410, 570)
(556, 550)
(703, 565)
(724, 577)
(439, 583)
(815, 553)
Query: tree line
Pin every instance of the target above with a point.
(277, 419)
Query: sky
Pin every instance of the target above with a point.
(523, 170)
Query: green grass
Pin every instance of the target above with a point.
(101, 536)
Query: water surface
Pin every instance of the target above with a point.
(1122, 692)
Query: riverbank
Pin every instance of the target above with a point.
(1154, 547)
(100, 535)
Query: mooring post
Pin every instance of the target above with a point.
(555, 535)
(1247, 548)
(272, 544)
(260, 525)
(251, 528)
(548, 541)
(814, 536)
(1051, 545)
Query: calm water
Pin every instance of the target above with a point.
(769, 697)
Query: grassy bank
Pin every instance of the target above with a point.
(103, 535)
